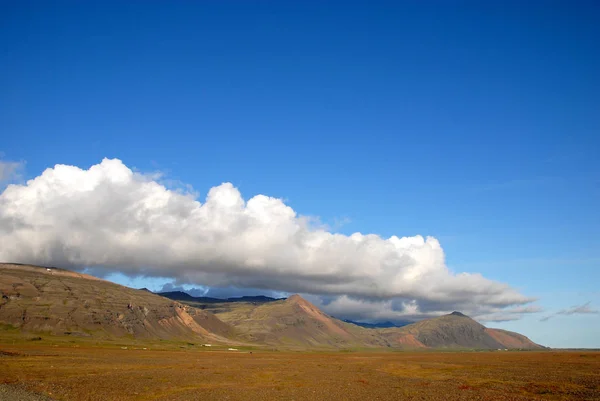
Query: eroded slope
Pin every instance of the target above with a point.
(57, 301)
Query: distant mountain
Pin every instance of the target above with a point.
(382, 325)
(37, 299)
(182, 296)
(61, 302)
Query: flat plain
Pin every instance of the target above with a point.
(100, 372)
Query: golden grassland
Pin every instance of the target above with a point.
(67, 369)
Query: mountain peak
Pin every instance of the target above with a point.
(455, 313)
(296, 298)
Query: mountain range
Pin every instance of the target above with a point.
(60, 302)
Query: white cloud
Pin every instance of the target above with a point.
(372, 310)
(400, 310)
(112, 218)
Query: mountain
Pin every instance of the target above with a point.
(382, 325)
(455, 331)
(297, 322)
(183, 296)
(37, 299)
(61, 302)
(293, 322)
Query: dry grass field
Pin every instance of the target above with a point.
(91, 372)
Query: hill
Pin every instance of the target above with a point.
(37, 299)
(293, 322)
(297, 322)
(63, 302)
(455, 331)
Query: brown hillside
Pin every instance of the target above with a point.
(512, 340)
(57, 301)
(294, 322)
(455, 331)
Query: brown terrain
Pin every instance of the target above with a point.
(456, 331)
(67, 336)
(296, 322)
(60, 302)
(76, 371)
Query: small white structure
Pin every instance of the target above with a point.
(48, 270)
(207, 345)
(231, 349)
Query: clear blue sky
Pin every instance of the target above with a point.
(473, 122)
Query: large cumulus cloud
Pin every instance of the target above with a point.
(111, 218)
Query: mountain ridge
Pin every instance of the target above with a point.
(62, 302)
(184, 296)
(377, 325)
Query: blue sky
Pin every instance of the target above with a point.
(471, 122)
